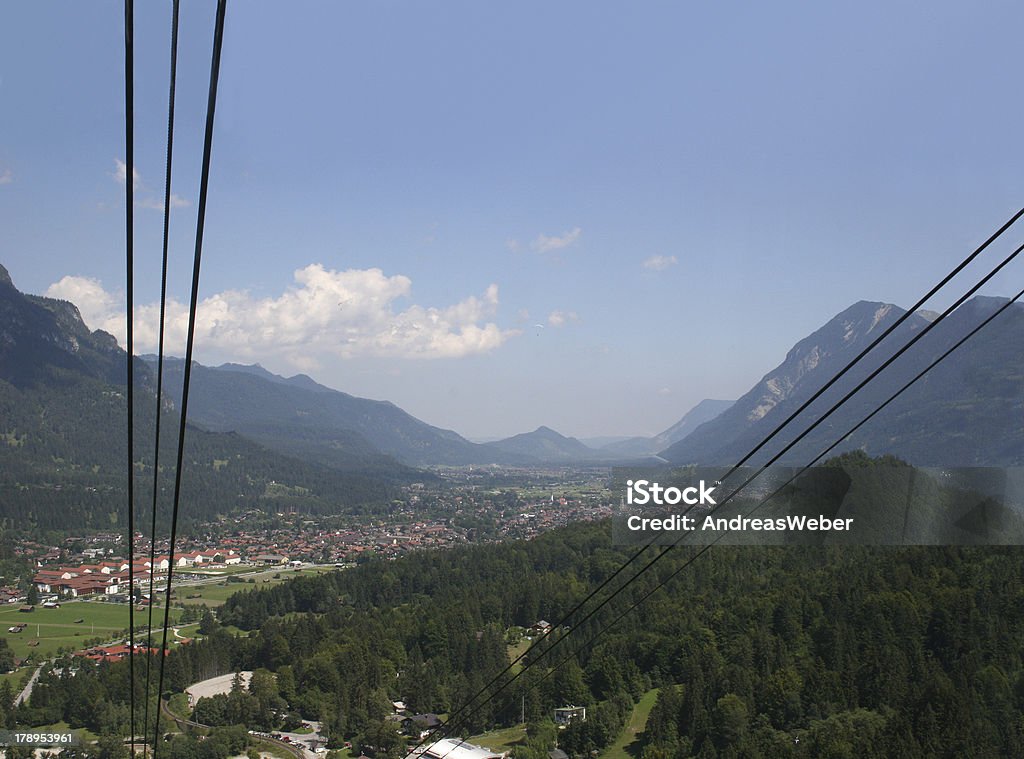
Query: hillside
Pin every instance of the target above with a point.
(299, 417)
(545, 445)
(969, 411)
(703, 412)
(63, 448)
(44, 341)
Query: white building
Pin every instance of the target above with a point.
(453, 748)
(566, 715)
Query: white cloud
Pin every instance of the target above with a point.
(344, 313)
(660, 263)
(121, 173)
(6, 176)
(665, 391)
(561, 318)
(99, 309)
(546, 244)
(157, 204)
(147, 199)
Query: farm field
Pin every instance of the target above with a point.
(216, 593)
(57, 628)
(14, 678)
(48, 630)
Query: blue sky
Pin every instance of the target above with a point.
(401, 192)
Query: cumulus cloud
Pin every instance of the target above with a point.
(6, 176)
(121, 173)
(546, 244)
(562, 318)
(660, 263)
(99, 308)
(350, 314)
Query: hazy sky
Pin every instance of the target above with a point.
(585, 215)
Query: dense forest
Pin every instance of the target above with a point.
(771, 651)
(63, 452)
(63, 447)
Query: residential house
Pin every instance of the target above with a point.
(421, 725)
(542, 627)
(565, 715)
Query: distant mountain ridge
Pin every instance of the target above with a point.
(969, 411)
(544, 444)
(303, 381)
(301, 417)
(703, 412)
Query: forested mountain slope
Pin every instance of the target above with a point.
(63, 439)
(968, 411)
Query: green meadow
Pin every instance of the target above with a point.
(70, 626)
(216, 593)
(627, 746)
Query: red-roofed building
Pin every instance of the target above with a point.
(46, 579)
(115, 653)
(78, 587)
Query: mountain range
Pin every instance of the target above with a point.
(704, 411)
(297, 416)
(968, 411)
(63, 447)
(62, 415)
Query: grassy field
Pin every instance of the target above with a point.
(514, 652)
(15, 678)
(178, 705)
(272, 749)
(84, 735)
(210, 594)
(500, 740)
(189, 631)
(56, 628)
(216, 593)
(626, 747)
(52, 629)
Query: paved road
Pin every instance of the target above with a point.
(27, 690)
